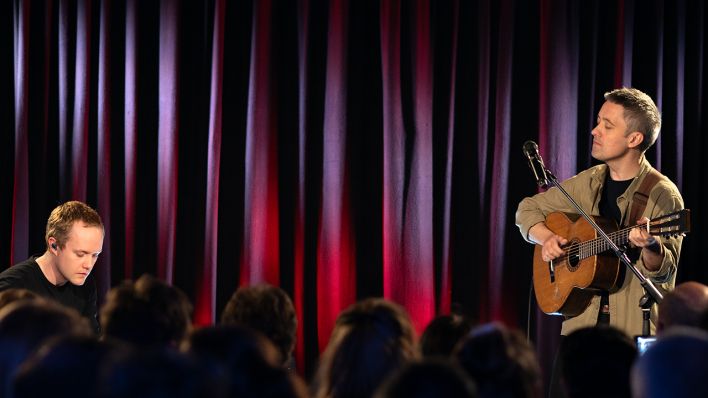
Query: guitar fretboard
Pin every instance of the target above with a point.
(600, 245)
(672, 224)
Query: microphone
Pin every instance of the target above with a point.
(536, 163)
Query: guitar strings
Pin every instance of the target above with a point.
(599, 245)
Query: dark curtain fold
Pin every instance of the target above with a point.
(340, 149)
(336, 255)
(168, 139)
(20, 189)
(103, 142)
(407, 159)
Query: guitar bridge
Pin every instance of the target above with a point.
(552, 271)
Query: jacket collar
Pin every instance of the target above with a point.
(599, 172)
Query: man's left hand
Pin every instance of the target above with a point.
(640, 237)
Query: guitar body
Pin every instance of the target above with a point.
(567, 285)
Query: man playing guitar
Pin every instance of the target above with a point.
(624, 189)
(627, 125)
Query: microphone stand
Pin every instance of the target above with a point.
(652, 294)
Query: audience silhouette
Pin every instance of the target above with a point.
(146, 313)
(500, 361)
(371, 339)
(430, 378)
(442, 335)
(675, 366)
(53, 370)
(268, 310)
(592, 348)
(149, 349)
(25, 325)
(683, 306)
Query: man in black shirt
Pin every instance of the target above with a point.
(74, 239)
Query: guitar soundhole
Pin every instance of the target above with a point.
(572, 250)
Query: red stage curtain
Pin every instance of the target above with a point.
(340, 149)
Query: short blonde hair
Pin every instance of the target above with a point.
(63, 218)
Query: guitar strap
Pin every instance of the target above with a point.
(641, 196)
(639, 203)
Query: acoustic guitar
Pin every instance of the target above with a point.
(566, 285)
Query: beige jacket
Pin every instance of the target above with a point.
(585, 188)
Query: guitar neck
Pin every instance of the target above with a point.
(600, 245)
(673, 224)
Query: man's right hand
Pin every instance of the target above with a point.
(550, 242)
(551, 249)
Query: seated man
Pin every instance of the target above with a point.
(74, 239)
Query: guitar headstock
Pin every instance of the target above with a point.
(674, 224)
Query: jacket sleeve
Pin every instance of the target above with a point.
(665, 201)
(534, 209)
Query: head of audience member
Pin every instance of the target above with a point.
(268, 310)
(169, 301)
(250, 360)
(683, 306)
(159, 372)
(126, 316)
(25, 325)
(146, 313)
(500, 361)
(442, 334)
(10, 296)
(674, 366)
(74, 238)
(54, 369)
(589, 349)
(371, 339)
(430, 378)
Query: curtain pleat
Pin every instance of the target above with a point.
(205, 304)
(103, 144)
(168, 139)
(445, 292)
(408, 199)
(499, 307)
(680, 87)
(262, 214)
(335, 242)
(300, 198)
(484, 86)
(82, 92)
(65, 106)
(20, 191)
(130, 136)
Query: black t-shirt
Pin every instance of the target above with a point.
(28, 275)
(609, 210)
(608, 203)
